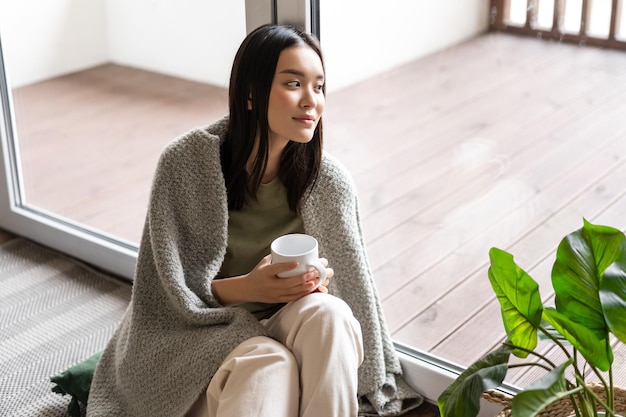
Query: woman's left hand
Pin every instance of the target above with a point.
(329, 274)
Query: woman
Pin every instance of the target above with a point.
(211, 329)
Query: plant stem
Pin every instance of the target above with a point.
(610, 394)
(589, 392)
(539, 364)
(531, 352)
(608, 390)
(555, 340)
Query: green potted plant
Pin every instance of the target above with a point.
(589, 281)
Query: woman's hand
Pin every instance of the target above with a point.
(262, 284)
(329, 274)
(265, 285)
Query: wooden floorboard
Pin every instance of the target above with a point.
(500, 141)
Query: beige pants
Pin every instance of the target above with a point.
(310, 370)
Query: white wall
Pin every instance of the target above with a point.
(192, 39)
(197, 39)
(361, 38)
(46, 38)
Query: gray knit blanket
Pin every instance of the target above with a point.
(175, 334)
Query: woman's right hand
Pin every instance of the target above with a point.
(262, 284)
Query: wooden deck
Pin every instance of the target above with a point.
(500, 141)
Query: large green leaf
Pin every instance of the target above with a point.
(541, 393)
(607, 243)
(613, 298)
(581, 259)
(596, 351)
(519, 299)
(462, 397)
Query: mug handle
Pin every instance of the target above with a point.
(321, 270)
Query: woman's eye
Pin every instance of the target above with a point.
(293, 83)
(319, 87)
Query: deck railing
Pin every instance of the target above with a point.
(591, 22)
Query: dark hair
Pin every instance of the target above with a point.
(251, 77)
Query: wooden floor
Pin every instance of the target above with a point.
(500, 141)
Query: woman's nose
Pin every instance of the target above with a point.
(308, 99)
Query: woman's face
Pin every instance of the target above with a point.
(296, 100)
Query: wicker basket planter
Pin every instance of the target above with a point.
(561, 408)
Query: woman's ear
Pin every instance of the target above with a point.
(250, 102)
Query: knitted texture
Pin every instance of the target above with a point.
(175, 334)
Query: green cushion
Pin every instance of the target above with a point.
(76, 381)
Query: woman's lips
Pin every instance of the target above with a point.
(307, 120)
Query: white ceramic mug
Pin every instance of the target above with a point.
(300, 248)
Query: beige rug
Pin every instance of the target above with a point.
(54, 313)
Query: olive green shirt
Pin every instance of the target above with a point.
(251, 232)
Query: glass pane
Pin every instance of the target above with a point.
(460, 140)
(100, 87)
